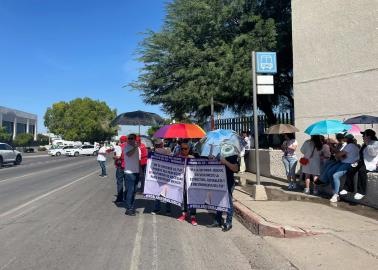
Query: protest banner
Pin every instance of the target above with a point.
(206, 184)
(165, 178)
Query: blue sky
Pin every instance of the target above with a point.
(52, 50)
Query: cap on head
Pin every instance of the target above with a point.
(123, 139)
(368, 132)
(348, 136)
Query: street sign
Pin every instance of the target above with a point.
(265, 79)
(265, 89)
(266, 62)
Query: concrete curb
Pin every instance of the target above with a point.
(258, 225)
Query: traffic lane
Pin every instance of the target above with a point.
(170, 244)
(23, 188)
(81, 228)
(32, 165)
(75, 228)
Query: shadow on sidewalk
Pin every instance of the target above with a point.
(277, 193)
(145, 206)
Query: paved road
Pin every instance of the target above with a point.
(56, 213)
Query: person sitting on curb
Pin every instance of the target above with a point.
(232, 166)
(347, 156)
(367, 162)
(184, 152)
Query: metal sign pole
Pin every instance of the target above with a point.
(255, 119)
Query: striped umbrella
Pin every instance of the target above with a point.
(184, 131)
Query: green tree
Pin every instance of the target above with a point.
(203, 50)
(4, 135)
(42, 139)
(151, 131)
(23, 139)
(81, 120)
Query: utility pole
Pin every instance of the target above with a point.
(258, 191)
(212, 112)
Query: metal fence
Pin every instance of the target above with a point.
(240, 124)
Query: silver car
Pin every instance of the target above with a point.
(9, 155)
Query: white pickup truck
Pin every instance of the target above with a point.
(9, 155)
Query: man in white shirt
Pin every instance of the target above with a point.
(132, 162)
(101, 158)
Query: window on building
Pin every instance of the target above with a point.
(21, 128)
(31, 129)
(8, 126)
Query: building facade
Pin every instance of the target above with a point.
(335, 60)
(18, 122)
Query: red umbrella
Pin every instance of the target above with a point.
(184, 131)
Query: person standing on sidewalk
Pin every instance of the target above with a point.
(232, 166)
(313, 150)
(101, 158)
(289, 159)
(246, 139)
(119, 162)
(368, 162)
(132, 158)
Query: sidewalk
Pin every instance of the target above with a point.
(309, 230)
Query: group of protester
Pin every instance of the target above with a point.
(326, 161)
(130, 158)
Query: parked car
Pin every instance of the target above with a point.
(9, 155)
(87, 150)
(59, 150)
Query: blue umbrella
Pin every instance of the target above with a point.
(220, 142)
(326, 127)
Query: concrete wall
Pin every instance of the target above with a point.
(270, 163)
(335, 54)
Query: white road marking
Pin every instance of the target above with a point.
(155, 244)
(35, 156)
(135, 258)
(29, 174)
(44, 195)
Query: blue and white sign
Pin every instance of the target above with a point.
(266, 62)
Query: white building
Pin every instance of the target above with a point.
(18, 122)
(335, 58)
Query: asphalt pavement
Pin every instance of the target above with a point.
(57, 213)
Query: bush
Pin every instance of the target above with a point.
(23, 139)
(42, 148)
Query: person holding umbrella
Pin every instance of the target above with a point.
(132, 156)
(159, 148)
(288, 147)
(184, 152)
